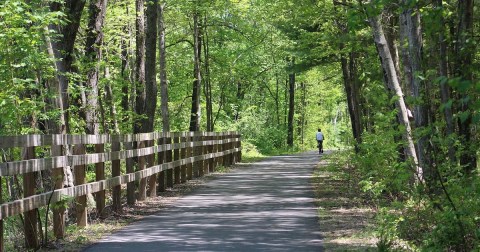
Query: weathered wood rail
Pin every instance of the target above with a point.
(157, 160)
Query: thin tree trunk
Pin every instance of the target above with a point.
(291, 106)
(443, 71)
(392, 80)
(197, 45)
(207, 80)
(125, 104)
(412, 35)
(464, 51)
(163, 70)
(110, 102)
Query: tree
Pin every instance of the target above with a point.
(93, 53)
(195, 113)
(394, 84)
(163, 69)
(291, 104)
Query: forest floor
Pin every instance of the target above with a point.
(346, 218)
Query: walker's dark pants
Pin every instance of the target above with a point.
(320, 146)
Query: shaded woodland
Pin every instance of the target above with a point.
(392, 83)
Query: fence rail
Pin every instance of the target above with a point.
(164, 159)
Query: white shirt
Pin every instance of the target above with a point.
(319, 136)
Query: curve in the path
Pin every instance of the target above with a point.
(265, 206)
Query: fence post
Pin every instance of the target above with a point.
(231, 146)
(116, 190)
(152, 180)
(217, 149)
(81, 201)
(220, 148)
(100, 175)
(142, 187)
(235, 145)
(189, 155)
(29, 186)
(176, 153)
(130, 169)
(225, 148)
(169, 158)
(59, 209)
(228, 147)
(210, 151)
(239, 145)
(183, 152)
(161, 159)
(205, 162)
(197, 152)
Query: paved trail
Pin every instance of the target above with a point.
(265, 206)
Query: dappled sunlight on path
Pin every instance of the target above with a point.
(265, 206)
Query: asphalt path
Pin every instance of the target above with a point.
(264, 206)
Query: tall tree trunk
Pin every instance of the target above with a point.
(110, 103)
(277, 98)
(93, 53)
(443, 71)
(163, 70)
(140, 92)
(392, 80)
(61, 50)
(352, 91)
(207, 80)
(291, 104)
(125, 104)
(197, 46)
(412, 36)
(352, 87)
(151, 89)
(464, 51)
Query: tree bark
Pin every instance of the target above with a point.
(61, 50)
(197, 48)
(465, 48)
(207, 80)
(291, 104)
(93, 53)
(392, 80)
(350, 82)
(109, 100)
(412, 36)
(163, 70)
(443, 72)
(140, 92)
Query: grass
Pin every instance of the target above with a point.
(344, 217)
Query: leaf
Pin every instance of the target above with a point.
(447, 105)
(464, 116)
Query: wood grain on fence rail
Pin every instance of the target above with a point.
(57, 162)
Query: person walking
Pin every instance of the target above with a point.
(320, 139)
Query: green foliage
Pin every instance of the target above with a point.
(23, 65)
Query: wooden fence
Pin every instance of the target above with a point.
(161, 160)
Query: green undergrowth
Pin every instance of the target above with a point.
(345, 215)
(251, 154)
